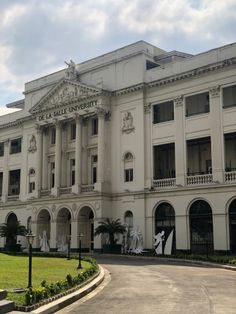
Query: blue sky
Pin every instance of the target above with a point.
(36, 36)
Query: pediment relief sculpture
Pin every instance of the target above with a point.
(32, 145)
(127, 126)
(65, 92)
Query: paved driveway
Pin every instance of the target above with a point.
(146, 287)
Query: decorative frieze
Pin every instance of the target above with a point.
(179, 101)
(147, 108)
(214, 91)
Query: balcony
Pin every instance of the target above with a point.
(230, 176)
(200, 179)
(87, 188)
(164, 183)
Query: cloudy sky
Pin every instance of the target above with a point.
(36, 36)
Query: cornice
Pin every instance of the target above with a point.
(192, 73)
(17, 123)
(130, 89)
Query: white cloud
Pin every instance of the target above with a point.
(37, 36)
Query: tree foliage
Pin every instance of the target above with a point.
(11, 230)
(111, 228)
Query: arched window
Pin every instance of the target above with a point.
(128, 167)
(165, 223)
(201, 227)
(232, 225)
(129, 219)
(31, 172)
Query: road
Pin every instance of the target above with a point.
(138, 286)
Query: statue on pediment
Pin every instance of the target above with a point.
(128, 126)
(71, 73)
(32, 145)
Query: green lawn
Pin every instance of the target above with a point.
(14, 271)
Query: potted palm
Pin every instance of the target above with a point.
(10, 231)
(111, 228)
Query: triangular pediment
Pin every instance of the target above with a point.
(65, 92)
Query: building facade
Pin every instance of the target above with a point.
(140, 134)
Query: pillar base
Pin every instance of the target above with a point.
(55, 191)
(76, 189)
(4, 198)
(99, 187)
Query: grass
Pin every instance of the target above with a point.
(14, 272)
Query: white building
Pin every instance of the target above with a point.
(139, 134)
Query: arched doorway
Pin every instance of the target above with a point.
(165, 224)
(201, 227)
(63, 229)
(43, 224)
(86, 227)
(11, 222)
(232, 226)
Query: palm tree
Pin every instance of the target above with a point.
(11, 230)
(110, 227)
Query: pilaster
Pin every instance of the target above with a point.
(45, 159)
(58, 152)
(217, 142)
(148, 146)
(179, 141)
(76, 188)
(39, 142)
(5, 181)
(101, 150)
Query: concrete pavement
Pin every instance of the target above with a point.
(144, 286)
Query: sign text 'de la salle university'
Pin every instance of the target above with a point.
(66, 110)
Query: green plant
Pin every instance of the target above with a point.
(111, 228)
(11, 230)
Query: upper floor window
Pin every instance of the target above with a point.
(197, 104)
(15, 146)
(163, 112)
(94, 161)
(128, 167)
(73, 131)
(229, 96)
(53, 136)
(94, 122)
(72, 171)
(14, 182)
(1, 149)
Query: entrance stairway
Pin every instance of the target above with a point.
(5, 305)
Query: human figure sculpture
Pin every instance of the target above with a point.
(32, 146)
(159, 238)
(44, 246)
(62, 246)
(136, 245)
(71, 71)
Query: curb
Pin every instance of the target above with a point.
(72, 297)
(171, 260)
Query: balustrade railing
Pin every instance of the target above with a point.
(87, 188)
(66, 190)
(230, 176)
(164, 183)
(200, 179)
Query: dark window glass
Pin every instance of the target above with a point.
(14, 182)
(197, 104)
(229, 96)
(94, 174)
(53, 136)
(128, 175)
(73, 131)
(1, 178)
(15, 146)
(1, 149)
(31, 187)
(94, 126)
(163, 112)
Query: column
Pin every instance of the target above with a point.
(56, 189)
(5, 180)
(217, 142)
(74, 235)
(180, 151)
(53, 236)
(101, 150)
(78, 156)
(45, 159)
(39, 141)
(148, 146)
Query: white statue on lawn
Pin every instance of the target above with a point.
(136, 245)
(159, 238)
(44, 246)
